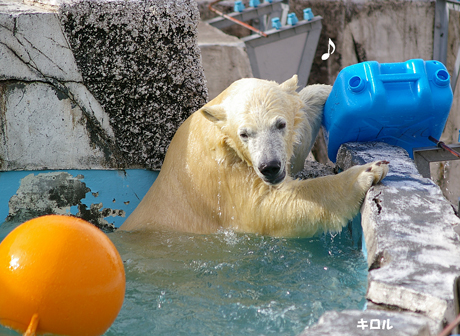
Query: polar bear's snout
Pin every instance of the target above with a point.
(272, 171)
(268, 155)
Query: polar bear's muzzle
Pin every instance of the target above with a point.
(273, 172)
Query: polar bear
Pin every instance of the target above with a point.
(229, 165)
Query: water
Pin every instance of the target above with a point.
(234, 284)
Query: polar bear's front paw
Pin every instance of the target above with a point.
(373, 173)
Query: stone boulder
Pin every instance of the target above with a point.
(95, 84)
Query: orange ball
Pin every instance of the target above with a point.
(64, 271)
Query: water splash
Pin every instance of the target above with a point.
(233, 284)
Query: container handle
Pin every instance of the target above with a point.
(398, 78)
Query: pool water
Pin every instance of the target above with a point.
(234, 284)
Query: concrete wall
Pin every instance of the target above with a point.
(87, 85)
(224, 59)
(383, 31)
(447, 174)
(103, 197)
(96, 84)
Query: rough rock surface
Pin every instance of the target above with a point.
(389, 31)
(95, 84)
(411, 234)
(313, 169)
(224, 59)
(141, 62)
(413, 247)
(369, 323)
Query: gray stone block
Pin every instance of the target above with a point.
(409, 227)
(142, 63)
(369, 323)
(127, 73)
(224, 59)
(43, 127)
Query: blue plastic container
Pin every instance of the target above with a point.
(276, 23)
(238, 6)
(308, 14)
(292, 19)
(397, 103)
(254, 3)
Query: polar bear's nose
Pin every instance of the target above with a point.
(270, 169)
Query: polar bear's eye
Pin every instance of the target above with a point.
(244, 135)
(281, 125)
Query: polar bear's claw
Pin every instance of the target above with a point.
(379, 170)
(379, 163)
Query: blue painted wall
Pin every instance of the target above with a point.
(115, 189)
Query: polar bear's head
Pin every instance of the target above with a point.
(259, 120)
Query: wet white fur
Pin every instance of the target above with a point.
(210, 178)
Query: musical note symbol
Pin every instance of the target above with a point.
(326, 55)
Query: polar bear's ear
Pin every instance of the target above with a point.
(290, 85)
(214, 113)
